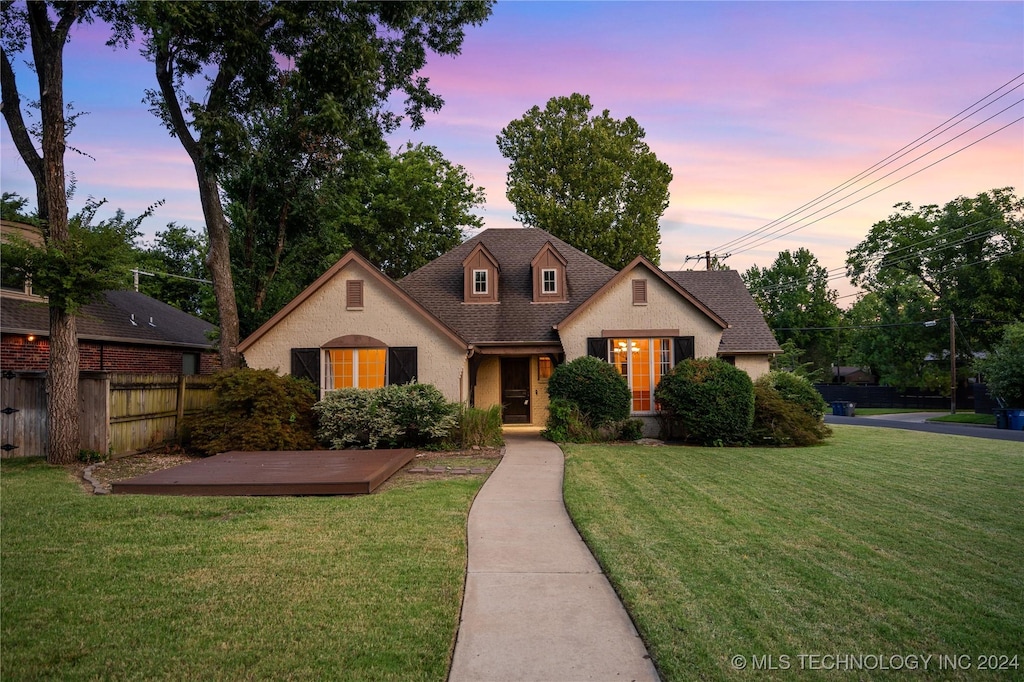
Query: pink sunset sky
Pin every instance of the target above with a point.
(758, 108)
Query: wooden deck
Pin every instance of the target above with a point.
(315, 472)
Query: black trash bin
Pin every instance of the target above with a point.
(1002, 422)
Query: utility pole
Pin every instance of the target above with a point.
(707, 256)
(952, 363)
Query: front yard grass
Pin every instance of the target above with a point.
(966, 418)
(880, 542)
(228, 588)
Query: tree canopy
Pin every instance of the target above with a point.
(332, 66)
(794, 296)
(968, 255)
(591, 181)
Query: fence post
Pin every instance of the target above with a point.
(180, 406)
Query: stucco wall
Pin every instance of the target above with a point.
(665, 309)
(539, 400)
(488, 383)
(754, 365)
(323, 317)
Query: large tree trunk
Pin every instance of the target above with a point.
(62, 378)
(218, 260)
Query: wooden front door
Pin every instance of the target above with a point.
(515, 390)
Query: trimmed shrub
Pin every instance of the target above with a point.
(1004, 367)
(709, 400)
(595, 386)
(632, 429)
(796, 389)
(480, 427)
(397, 416)
(782, 422)
(567, 423)
(254, 409)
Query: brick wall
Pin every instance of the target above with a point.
(17, 353)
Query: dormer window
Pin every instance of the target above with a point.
(549, 276)
(480, 276)
(549, 281)
(480, 282)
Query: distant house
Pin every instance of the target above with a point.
(124, 331)
(488, 321)
(853, 376)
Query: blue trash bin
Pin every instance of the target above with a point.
(1015, 420)
(837, 408)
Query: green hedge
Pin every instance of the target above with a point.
(708, 400)
(396, 416)
(254, 409)
(595, 386)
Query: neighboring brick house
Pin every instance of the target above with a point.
(487, 322)
(124, 331)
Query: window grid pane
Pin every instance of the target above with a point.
(550, 283)
(479, 281)
(372, 362)
(643, 362)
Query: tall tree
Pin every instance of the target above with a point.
(591, 181)
(968, 255)
(343, 60)
(46, 27)
(794, 295)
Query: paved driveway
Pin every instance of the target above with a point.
(916, 422)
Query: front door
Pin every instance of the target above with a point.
(515, 390)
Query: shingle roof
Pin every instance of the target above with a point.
(109, 319)
(724, 292)
(438, 286)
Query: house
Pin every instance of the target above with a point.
(488, 321)
(855, 376)
(124, 331)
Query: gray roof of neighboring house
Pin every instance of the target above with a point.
(724, 292)
(110, 319)
(438, 286)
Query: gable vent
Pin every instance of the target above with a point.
(354, 294)
(639, 292)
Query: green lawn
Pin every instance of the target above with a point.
(871, 411)
(966, 418)
(217, 588)
(881, 542)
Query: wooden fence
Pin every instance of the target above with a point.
(121, 414)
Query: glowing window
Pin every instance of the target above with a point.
(643, 362)
(356, 368)
(544, 367)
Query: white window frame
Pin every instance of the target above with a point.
(544, 281)
(477, 280)
(654, 357)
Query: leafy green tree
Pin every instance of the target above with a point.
(176, 265)
(1003, 368)
(591, 181)
(888, 335)
(798, 304)
(968, 255)
(335, 64)
(46, 28)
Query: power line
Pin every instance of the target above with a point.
(777, 235)
(949, 123)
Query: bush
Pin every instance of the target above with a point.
(783, 422)
(632, 429)
(254, 409)
(796, 389)
(711, 401)
(480, 427)
(399, 416)
(1004, 367)
(567, 423)
(595, 386)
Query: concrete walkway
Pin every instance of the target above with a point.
(537, 606)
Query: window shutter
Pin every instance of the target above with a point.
(306, 364)
(682, 348)
(354, 293)
(639, 292)
(598, 348)
(402, 363)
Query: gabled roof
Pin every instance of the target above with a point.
(438, 286)
(724, 292)
(110, 319)
(371, 271)
(656, 271)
